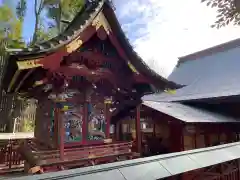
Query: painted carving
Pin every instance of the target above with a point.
(96, 118)
(170, 91)
(71, 115)
(74, 45)
(132, 68)
(62, 97)
(73, 120)
(28, 64)
(96, 123)
(101, 21)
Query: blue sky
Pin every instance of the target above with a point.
(163, 30)
(29, 21)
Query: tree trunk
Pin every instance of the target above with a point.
(34, 39)
(59, 18)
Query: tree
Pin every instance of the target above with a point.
(228, 11)
(59, 10)
(11, 27)
(38, 7)
(44, 33)
(21, 9)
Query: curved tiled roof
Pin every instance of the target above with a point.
(207, 77)
(80, 22)
(135, 59)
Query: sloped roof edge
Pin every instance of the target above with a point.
(209, 51)
(189, 114)
(79, 23)
(137, 61)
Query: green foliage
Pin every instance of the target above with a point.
(44, 33)
(28, 126)
(56, 11)
(73, 7)
(228, 12)
(6, 13)
(63, 10)
(21, 9)
(11, 27)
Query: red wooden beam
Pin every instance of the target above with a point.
(94, 58)
(52, 61)
(81, 70)
(92, 75)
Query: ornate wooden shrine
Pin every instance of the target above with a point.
(84, 80)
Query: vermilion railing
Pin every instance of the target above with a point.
(10, 158)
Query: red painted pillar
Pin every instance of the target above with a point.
(61, 134)
(138, 130)
(107, 120)
(85, 121)
(117, 130)
(55, 129)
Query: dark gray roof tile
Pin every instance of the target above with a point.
(187, 113)
(215, 75)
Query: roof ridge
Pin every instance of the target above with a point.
(209, 51)
(94, 8)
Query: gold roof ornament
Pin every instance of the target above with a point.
(132, 68)
(28, 64)
(170, 91)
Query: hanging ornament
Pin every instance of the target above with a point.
(108, 100)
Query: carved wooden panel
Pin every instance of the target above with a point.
(74, 45)
(28, 64)
(101, 55)
(101, 21)
(96, 119)
(72, 116)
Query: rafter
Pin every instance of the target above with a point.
(94, 58)
(81, 70)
